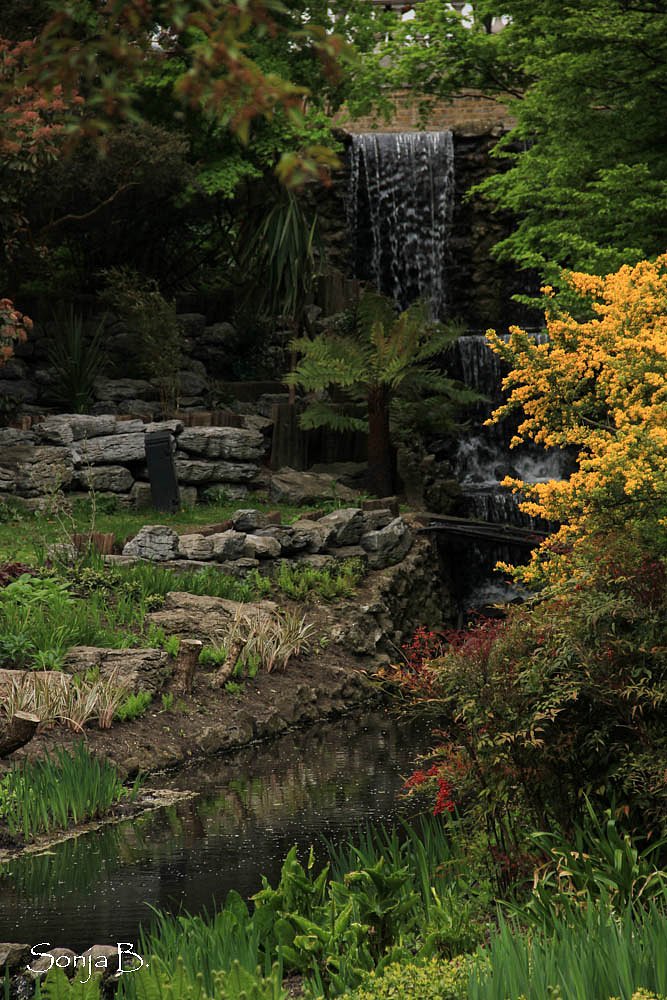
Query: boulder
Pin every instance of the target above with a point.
(290, 543)
(261, 547)
(141, 495)
(223, 494)
(374, 520)
(219, 335)
(256, 422)
(141, 669)
(173, 426)
(13, 956)
(346, 524)
(113, 449)
(352, 474)
(55, 430)
(154, 542)
(388, 545)
(228, 545)
(198, 617)
(135, 426)
(249, 520)
(310, 536)
(200, 472)
(10, 436)
(32, 471)
(64, 958)
(231, 443)
(192, 383)
(115, 390)
(108, 478)
(191, 324)
(101, 960)
(138, 408)
(297, 488)
(20, 390)
(382, 503)
(86, 425)
(195, 547)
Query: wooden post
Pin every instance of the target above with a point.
(17, 731)
(186, 664)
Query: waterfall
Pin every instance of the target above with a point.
(483, 457)
(400, 204)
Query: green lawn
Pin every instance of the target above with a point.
(25, 537)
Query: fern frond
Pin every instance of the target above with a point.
(321, 414)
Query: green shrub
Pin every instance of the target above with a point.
(41, 618)
(600, 861)
(435, 980)
(300, 582)
(134, 706)
(56, 791)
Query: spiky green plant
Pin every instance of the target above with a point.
(60, 790)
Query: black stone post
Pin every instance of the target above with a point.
(162, 471)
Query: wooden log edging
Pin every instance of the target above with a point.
(17, 731)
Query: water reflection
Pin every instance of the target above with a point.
(254, 806)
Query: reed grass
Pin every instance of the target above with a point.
(59, 791)
(588, 953)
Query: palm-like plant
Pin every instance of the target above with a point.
(385, 366)
(283, 252)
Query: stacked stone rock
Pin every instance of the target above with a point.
(207, 352)
(107, 454)
(377, 537)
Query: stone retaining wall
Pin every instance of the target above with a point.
(376, 537)
(107, 454)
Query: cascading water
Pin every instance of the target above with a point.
(483, 458)
(400, 205)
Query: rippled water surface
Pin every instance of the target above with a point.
(254, 805)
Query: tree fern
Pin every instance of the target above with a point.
(386, 357)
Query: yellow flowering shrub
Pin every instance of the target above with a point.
(598, 386)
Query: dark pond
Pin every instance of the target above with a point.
(254, 806)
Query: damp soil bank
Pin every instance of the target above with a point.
(212, 721)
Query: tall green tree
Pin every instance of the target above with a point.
(586, 176)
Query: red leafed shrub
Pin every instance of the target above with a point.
(564, 698)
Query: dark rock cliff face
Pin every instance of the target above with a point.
(481, 287)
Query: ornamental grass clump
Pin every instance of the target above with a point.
(60, 790)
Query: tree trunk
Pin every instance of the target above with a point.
(221, 676)
(16, 732)
(380, 465)
(185, 666)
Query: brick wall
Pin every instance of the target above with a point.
(468, 112)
